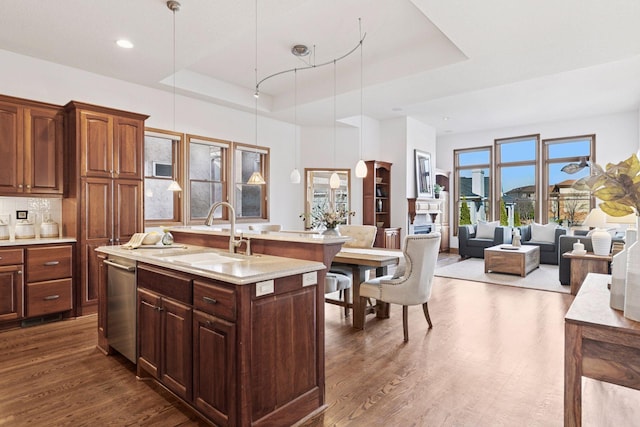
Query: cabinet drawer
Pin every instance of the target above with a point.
(165, 282)
(52, 296)
(11, 256)
(213, 299)
(48, 263)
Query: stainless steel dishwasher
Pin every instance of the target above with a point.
(121, 306)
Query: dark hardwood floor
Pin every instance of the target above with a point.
(493, 358)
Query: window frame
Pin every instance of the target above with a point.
(264, 170)
(177, 174)
(499, 164)
(546, 161)
(225, 171)
(456, 188)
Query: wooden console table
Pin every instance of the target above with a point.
(599, 343)
(581, 265)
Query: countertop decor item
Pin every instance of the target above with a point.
(329, 218)
(25, 229)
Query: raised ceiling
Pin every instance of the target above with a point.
(482, 64)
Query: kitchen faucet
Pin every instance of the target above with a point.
(233, 243)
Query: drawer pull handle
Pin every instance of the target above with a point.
(209, 300)
(51, 297)
(51, 263)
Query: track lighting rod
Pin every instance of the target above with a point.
(312, 65)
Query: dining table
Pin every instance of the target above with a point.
(360, 260)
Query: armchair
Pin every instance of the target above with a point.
(471, 246)
(549, 251)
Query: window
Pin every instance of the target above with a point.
(564, 204)
(517, 178)
(161, 167)
(473, 184)
(208, 171)
(250, 201)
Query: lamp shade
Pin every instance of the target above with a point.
(256, 179)
(627, 219)
(334, 181)
(361, 169)
(295, 176)
(174, 186)
(596, 218)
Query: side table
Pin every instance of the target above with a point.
(581, 265)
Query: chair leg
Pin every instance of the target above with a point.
(425, 308)
(404, 322)
(346, 292)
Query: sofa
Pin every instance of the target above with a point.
(472, 244)
(549, 250)
(566, 245)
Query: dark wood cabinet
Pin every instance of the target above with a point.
(376, 204)
(214, 368)
(104, 190)
(49, 287)
(31, 143)
(11, 284)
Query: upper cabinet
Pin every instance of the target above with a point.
(31, 146)
(109, 145)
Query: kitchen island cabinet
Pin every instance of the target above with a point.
(225, 339)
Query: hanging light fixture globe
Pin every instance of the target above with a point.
(295, 176)
(361, 169)
(334, 181)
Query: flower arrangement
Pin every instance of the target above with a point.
(617, 185)
(328, 217)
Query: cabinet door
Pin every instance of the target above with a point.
(127, 209)
(96, 144)
(128, 148)
(11, 137)
(96, 212)
(392, 238)
(176, 364)
(11, 289)
(214, 368)
(149, 324)
(43, 145)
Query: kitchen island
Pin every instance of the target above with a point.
(239, 338)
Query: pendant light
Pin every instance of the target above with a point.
(174, 6)
(334, 181)
(295, 173)
(256, 177)
(361, 167)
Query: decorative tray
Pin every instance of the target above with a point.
(509, 248)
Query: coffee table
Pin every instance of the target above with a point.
(509, 259)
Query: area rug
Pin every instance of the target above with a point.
(543, 278)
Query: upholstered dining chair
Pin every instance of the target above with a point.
(335, 282)
(362, 236)
(413, 286)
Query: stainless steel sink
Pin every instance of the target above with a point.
(204, 258)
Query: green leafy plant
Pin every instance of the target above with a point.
(437, 188)
(465, 213)
(504, 218)
(617, 185)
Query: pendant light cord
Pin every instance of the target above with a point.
(334, 113)
(295, 118)
(174, 68)
(361, 88)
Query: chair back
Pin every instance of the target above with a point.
(362, 236)
(414, 286)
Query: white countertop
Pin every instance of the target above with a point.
(248, 269)
(285, 236)
(41, 241)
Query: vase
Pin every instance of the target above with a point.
(331, 232)
(618, 279)
(167, 238)
(632, 283)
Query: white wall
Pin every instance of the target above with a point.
(617, 137)
(30, 78)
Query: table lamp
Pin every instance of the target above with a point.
(600, 238)
(631, 232)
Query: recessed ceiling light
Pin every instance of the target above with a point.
(445, 118)
(125, 44)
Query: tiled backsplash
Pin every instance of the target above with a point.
(34, 205)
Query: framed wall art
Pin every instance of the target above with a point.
(424, 175)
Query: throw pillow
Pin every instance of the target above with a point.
(543, 233)
(486, 230)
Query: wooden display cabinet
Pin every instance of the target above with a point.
(376, 204)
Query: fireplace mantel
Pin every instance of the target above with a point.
(423, 207)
